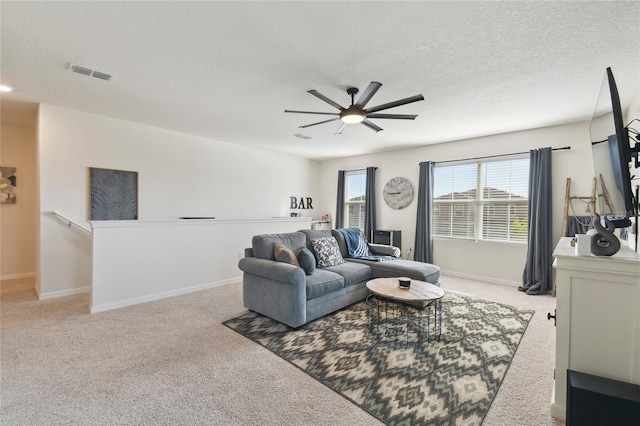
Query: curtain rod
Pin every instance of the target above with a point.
(359, 169)
(499, 155)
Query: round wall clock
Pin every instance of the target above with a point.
(398, 193)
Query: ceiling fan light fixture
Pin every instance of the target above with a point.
(352, 116)
(357, 113)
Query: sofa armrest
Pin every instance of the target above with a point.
(274, 289)
(386, 250)
(277, 271)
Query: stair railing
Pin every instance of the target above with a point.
(72, 222)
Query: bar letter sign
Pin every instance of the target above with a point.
(301, 203)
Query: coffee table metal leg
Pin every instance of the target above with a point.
(399, 323)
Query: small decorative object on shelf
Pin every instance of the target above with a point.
(604, 242)
(583, 245)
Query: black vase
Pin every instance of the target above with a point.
(604, 243)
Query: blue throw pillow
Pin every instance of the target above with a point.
(306, 260)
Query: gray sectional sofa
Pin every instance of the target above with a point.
(284, 292)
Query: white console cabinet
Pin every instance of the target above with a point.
(597, 317)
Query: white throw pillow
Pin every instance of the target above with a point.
(327, 251)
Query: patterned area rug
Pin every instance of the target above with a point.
(452, 381)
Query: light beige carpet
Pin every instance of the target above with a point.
(173, 362)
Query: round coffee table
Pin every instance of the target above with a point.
(404, 315)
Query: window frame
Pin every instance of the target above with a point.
(346, 202)
(446, 209)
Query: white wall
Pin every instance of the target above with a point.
(493, 261)
(633, 112)
(178, 256)
(185, 175)
(18, 221)
(179, 175)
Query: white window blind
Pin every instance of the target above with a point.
(355, 185)
(484, 200)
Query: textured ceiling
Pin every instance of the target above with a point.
(228, 70)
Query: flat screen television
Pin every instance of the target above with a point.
(612, 157)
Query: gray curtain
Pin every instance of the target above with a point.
(370, 204)
(537, 277)
(578, 225)
(340, 201)
(424, 235)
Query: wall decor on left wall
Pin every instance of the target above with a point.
(7, 183)
(114, 194)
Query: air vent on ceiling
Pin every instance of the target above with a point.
(80, 70)
(88, 71)
(301, 136)
(102, 76)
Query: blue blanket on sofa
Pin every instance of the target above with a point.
(358, 246)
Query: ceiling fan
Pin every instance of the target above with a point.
(357, 113)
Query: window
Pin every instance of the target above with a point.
(355, 184)
(485, 200)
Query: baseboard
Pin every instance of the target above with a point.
(63, 293)
(479, 278)
(558, 411)
(158, 296)
(17, 276)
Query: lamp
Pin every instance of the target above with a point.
(352, 115)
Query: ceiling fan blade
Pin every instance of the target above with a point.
(312, 112)
(320, 122)
(371, 125)
(405, 101)
(327, 100)
(393, 116)
(368, 93)
(339, 131)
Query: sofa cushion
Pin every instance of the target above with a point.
(315, 233)
(353, 273)
(284, 254)
(263, 244)
(323, 282)
(327, 251)
(306, 260)
(403, 268)
(344, 250)
(385, 250)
